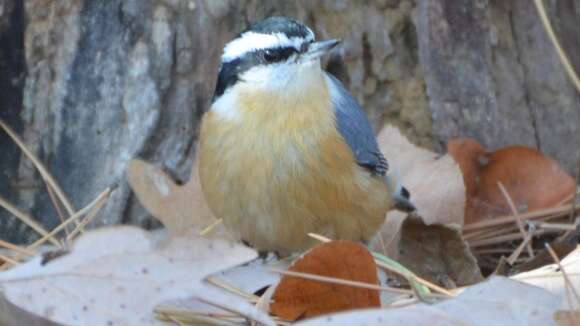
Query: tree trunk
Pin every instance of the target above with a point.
(109, 80)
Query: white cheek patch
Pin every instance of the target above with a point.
(259, 74)
(251, 41)
(226, 107)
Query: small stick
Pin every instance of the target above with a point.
(516, 254)
(493, 251)
(503, 238)
(173, 319)
(435, 287)
(389, 268)
(499, 267)
(221, 306)
(264, 301)
(230, 288)
(18, 249)
(28, 220)
(184, 313)
(71, 219)
(334, 280)
(566, 235)
(567, 199)
(402, 303)
(319, 237)
(556, 226)
(478, 233)
(8, 260)
(210, 227)
(490, 233)
(515, 213)
(57, 207)
(500, 220)
(569, 284)
(91, 214)
(196, 319)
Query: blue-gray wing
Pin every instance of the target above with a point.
(355, 128)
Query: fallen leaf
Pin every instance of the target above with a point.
(180, 208)
(550, 277)
(533, 180)
(296, 298)
(437, 190)
(434, 181)
(496, 302)
(438, 254)
(118, 275)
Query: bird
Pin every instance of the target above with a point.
(285, 150)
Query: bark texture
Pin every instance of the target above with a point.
(492, 73)
(92, 84)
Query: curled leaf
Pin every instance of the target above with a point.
(533, 180)
(297, 298)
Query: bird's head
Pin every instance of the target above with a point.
(277, 54)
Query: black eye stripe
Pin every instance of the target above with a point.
(231, 70)
(276, 54)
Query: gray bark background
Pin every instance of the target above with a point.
(91, 84)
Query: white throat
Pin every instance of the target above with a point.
(288, 82)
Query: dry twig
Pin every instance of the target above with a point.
(517, 218)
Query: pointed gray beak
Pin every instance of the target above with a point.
(318, 49)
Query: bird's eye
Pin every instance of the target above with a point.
(271, 56)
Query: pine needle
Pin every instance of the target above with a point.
(18, 249)
(74, 218)
(569, 284)
(420, 286)
(334, 280)
(28, 220)
(41, 169)
(517, 218)
(230, 288)
(100, 202)
(210, 228)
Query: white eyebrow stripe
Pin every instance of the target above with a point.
(251, 41)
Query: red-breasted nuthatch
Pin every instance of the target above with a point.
(286, 150)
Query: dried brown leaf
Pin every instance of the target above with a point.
(438, 254)
(297, 298)
(533, 181)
